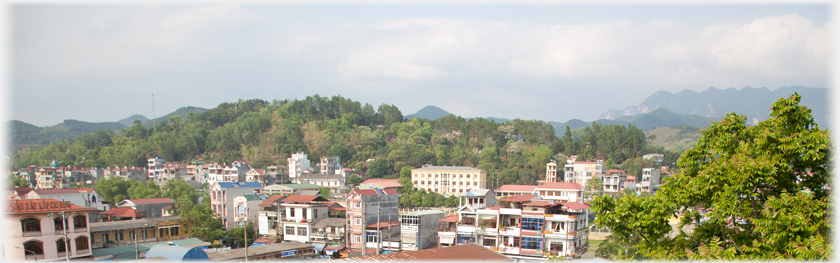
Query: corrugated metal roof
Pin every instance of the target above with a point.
(425, 212)
(127, 252)
(467, 252)
(128, 224)
(177, 253)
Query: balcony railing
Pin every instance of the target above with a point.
(32, 233)
(80, 229)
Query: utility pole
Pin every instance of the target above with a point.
(378, 215)
(364, 225)
(136, 250)
(389, 234)
(245, 233)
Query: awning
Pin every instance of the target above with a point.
(447, 240)
(319, 247)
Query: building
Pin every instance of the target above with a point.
(656, 157)
(155, 169)
(152, 206)
(84, 197)
(650, 180)
(448, 179)
(302, 212)
(614, 180)
(551, 173)
(46, 229)
(172, 170)
(145, 230)
(120, 213)
(288, 250)
(330, 165)
(366, 207)
(288, 189)
(335, 182)
(419, 229)
(579, 172)
(561, 192)
(329, 233)
(383, 237)
(222, 195)
(298, 163)
(478, 198)
(260, 176)
(380, 184)
(513, 189)
(246, 208)
(466, 253)
(270, 216)
(280, 173)
(133, 173)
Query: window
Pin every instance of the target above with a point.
(30, 224)
(240, 209)
(61, 246)
(58, 224)
(34, 247)
(175, 230)
(290, 230)
(291, 212)
(357, 204)
(371, 237)
(475, 183)
(532, 243)
(302, 231)
(314, 214)
(120, 236)
(490, 242)
(357, 221)
(532, 224)
(82, 243)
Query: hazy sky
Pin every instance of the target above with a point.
(552, 62)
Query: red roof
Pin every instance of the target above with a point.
(88, 190)
(516, 188)
(574, 205)
(384, 182)
(373, 192)
(449, 219)
(538, 203)
(518, 198)
(303, 199)
(122, 212)
(46, 205)
(384, 224)
(56, 191)
(269, 201)
(561, 185)
(150, 201)
(336, 209)
(21, 190)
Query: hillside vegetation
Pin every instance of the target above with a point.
(674, 138)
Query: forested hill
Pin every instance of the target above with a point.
(265, 133)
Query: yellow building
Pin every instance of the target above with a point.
(122, 233)
(448, 179)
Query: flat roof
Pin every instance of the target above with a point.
(257, 251)
(448, 168)
(426, 212)
(126, 224)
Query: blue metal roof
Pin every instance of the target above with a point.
(177, 253)
(250, 184)
(226, 185)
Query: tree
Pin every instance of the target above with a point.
(355, 180)
(15, 181)
(202, 222)
(594, 187)
(610, 164)
(767, 184)
(236, 236)
(405, 180)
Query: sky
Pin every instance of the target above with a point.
(553, 62)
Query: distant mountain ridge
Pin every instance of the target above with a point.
(751, 102)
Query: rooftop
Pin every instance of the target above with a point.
(422, 213)
(560, 185)
(516, 188)
(254, 252)
(376, 192)
(448, 168)
(46, 205)
(518, 198)
(468, 252)
(303, 199)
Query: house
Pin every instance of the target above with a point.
(650, 181)
(465, 253)
(288, 189)
(84, 197)
(346, 172)
(298, 163)
(155, 169)
(447, 180)
(614, 180)
(46, 229)
(335, 182)
(120, 233)
(127, 173)
(279, 172)
(259, 175)
(302, 212)
(380, 184)
(559, 191)
(222, 195)
(173, 170)
(246, 209)
(478, 198)
(513, 189)
(367, 207)
(330, 165)
(579, 172)
(270, 216)
(551, 173)
(419, 229)
(383, 237)
(329, 233)
(152, 206)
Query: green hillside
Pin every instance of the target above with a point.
(674, 138)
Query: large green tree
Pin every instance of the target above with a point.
(766, 183)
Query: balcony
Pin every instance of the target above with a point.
(80, 229)
(32, 233)
(295, 220)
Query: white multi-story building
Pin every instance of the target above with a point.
(155, 168)
(222, 195)
(448, 179)
(551, 172)
(46, 229)
(297, 164)
(301, 214)
(614, 180)
(579, 172)
(330, 165)
(560, 192)
(650, 180)
(335, 182)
